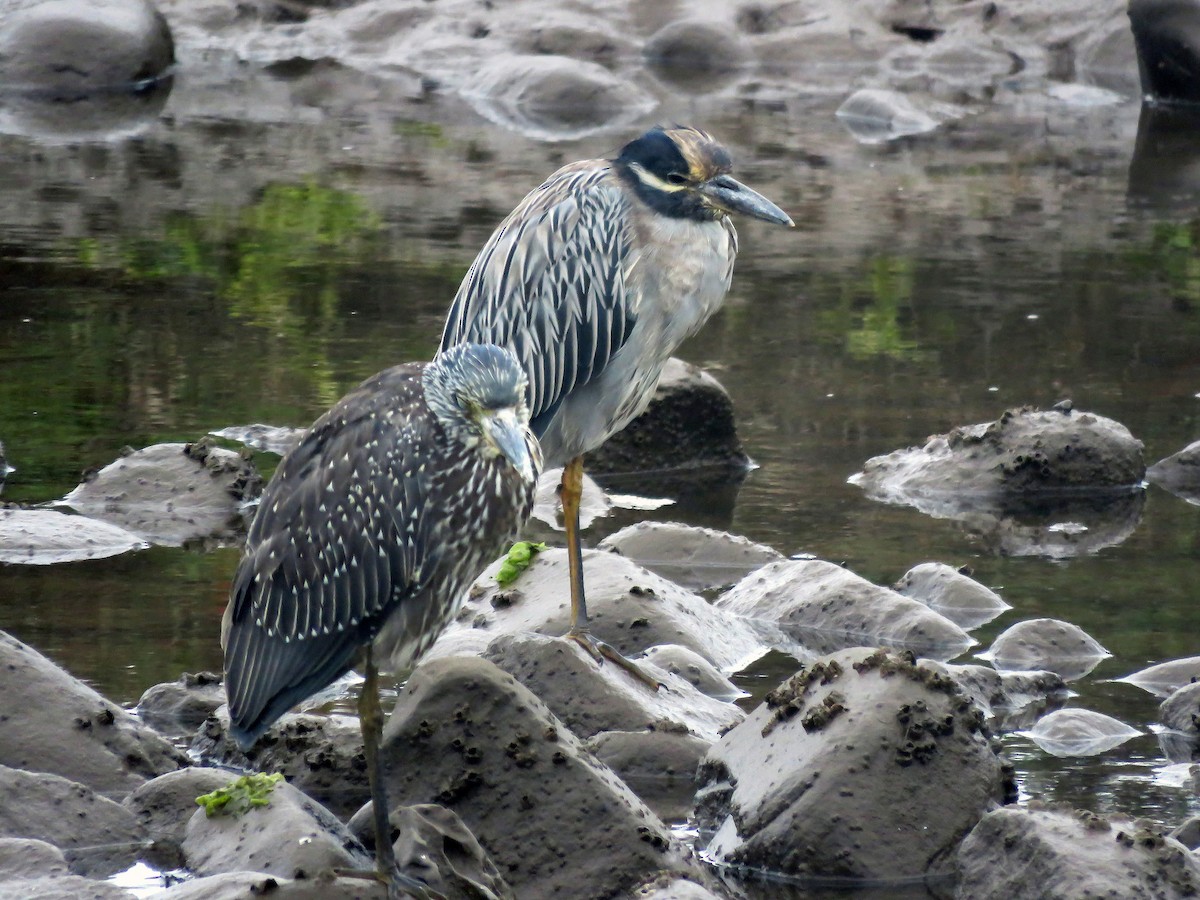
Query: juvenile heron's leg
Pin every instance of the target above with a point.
(571, 492)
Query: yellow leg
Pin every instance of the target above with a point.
(570, 493)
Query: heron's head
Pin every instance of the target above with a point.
(684, 173)
(477, 391)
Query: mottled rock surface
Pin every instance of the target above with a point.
(695, 558)
(179, 707)
(659, 765)
(164, 805)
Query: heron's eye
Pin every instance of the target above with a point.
(677, 178)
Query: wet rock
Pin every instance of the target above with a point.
(1049, 644)
(434, 846)
(42, 537)
(694, 669)
(953, 593)
(553, 97)
(1167, 36)
(695, 56)
(688, 425)
(831, 775)
(178, 708)
(1165, 678)
(1066, 853)
(1188, 833)
(256, 885)
(98, 836)
(629, 608)
(29, 858)
(67, 887)
(67, 49)
(876, 116)
(1010, 700)
(277, 439)
(1179, 473)
(164, 805)
(590, 698)
(1181, 710)
(57, 724)
(698, 559)
(670, 887)
(1025, 451)
(169, 494)
(320, 755)
(292, 836)
(1079, 732)
(818, 607)
(471, 738)
(658, 765)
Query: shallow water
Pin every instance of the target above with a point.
(218, 270)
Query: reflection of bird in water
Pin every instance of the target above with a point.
(369, 533)
(593, 281)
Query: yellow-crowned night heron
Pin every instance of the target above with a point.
(593, 281)
(369, 533)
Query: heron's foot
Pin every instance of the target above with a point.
(399, 885)
(600, 651)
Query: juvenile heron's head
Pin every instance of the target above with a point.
(477, 391)
(685, 173)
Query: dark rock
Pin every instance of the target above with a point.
(320, 755)
(659, 766)
(67, 49)
(434, 846)
(292, 836)
(590, 698)
(1167, 36)
(54, 723)
(698, 559)
(830, 776)
(630, 608)
(43, 537)
(555, 821)
(169, 494)
(164, 805)
(29, 858)
(180, 707)
(98, 836)
(688, 425)
(814, 606)
(957, 596)
(1047, 644)
(1066, 853)
(1181, 710)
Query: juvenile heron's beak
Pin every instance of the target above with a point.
(507, 434)
(729, 194)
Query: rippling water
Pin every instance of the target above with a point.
(214, 271)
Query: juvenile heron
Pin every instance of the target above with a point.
(369, 533)
(593, 281)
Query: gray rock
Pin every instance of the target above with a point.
(169, 494)
(1165, 678)
(29, 858)
(67, 887)
(695, 56)
(1181, 710)
(1179, 473)
(813, 606)
(164, 805)
(590, 697)
(43, 537)
(256, 885)
(469, 737)
(434, 846)
(68, 49)
(630, 608)
(277, 439)
(688, 425)
(1188, 832)
(1048, 644)
(1010, 700)
(954, 594)
(694, 669)
(875, 116)
(672, 887)
(1079, 732)
(55, 723)
(698, 559)
(98, 837)
(180, 707)
(1065, 853)
(1167, 36)
(658, 765)
(831, 775)
(292, 836)
(320, 755)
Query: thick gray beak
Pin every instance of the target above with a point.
(505, 430)
(731, 195)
